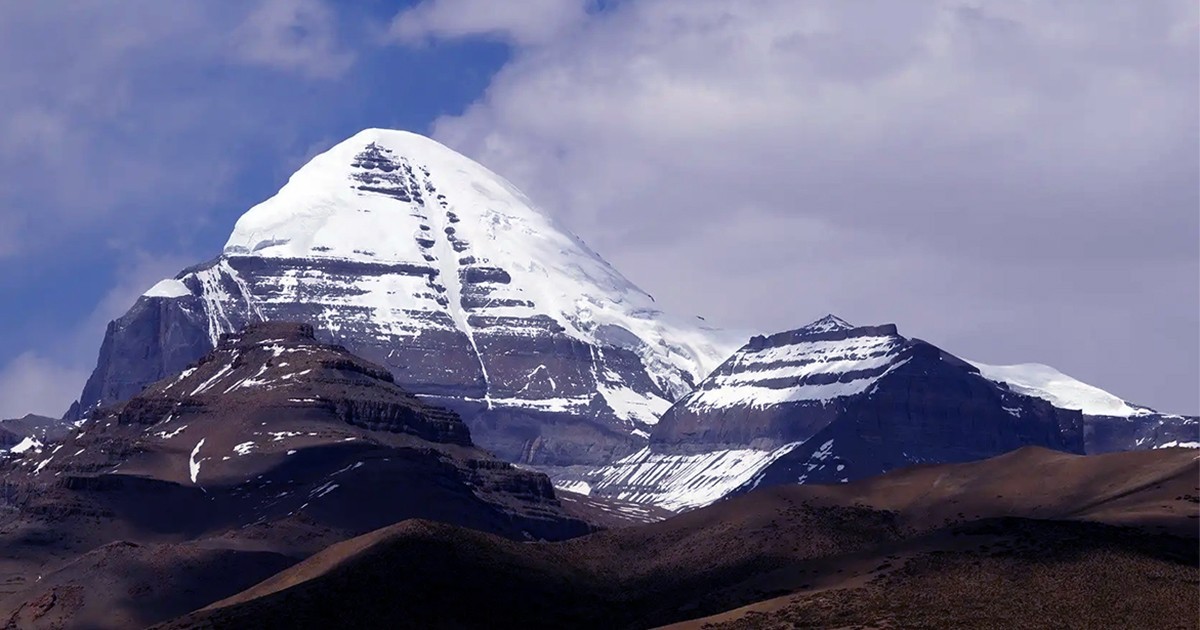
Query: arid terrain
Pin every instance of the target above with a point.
(1030, 539)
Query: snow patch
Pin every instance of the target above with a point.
(169, 288)
(42, 465)
(193, 463)
(1179, 444)
(578, 487)
(203, 387)
(27, 444)
(323, 490)
(680, 482)
(1062, 391)
(166, 435)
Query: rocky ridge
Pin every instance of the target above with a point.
(272, 442)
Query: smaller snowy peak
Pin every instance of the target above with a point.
(168, 288)
(1060, 390)
(825, 360)
(829, 323)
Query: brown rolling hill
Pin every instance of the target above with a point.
(998, 574)
(1147, 489)
(1032, 538)
(127, 585)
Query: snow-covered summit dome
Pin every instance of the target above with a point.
(419, 258)
(396, 197)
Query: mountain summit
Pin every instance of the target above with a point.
(828, 402)
(424, 261)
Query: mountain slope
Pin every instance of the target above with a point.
(273, 442)
(810, 544)
(828, 402)
(423, 261)
(30, 431)
(127, 585)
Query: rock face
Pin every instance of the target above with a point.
(829, 403)
(269, 448)
(30, 431)
(274, 424)
(425, 262)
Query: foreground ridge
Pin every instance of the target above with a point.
(269, 448)
(1059, 546)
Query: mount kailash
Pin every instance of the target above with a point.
(421, 260)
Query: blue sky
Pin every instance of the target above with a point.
(1013, 181)
(132, 164)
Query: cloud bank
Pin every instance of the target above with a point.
(1013, 180)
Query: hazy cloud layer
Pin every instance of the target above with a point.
(1014, 180)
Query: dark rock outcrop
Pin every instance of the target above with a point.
(1110, 434)
(270, 432)
(31, 426)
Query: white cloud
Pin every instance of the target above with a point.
(31, 383)
(299, 35)
(124, 125)
(93, 132)
(981, 172)
(525, 22)
(47, 380)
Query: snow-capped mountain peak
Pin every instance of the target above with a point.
(394, 197)
(342, 205)
(421, 259)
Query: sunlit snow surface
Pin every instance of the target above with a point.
(169, 288)
(1047, 383)
(327, 213)
(681, 482)
(26, 444)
